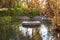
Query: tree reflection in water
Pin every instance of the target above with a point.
(24, 30)
(46, 34)
(55, 34)
(43, 30)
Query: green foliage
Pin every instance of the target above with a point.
(10, 18)
(4, 13)
(35, 12)
(9, 31)
(5, 20)
(20, 12)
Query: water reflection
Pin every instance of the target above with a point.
(24, 30)
(43, 30)
(54, 35)
(46, 34)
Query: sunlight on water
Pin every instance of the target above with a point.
(43, 30)
(30, 31)
(24, 30)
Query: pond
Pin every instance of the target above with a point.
(43, 30)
